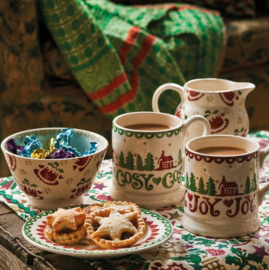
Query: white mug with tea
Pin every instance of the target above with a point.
(147, 157)
(222, 192)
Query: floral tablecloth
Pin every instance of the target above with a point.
(183, 250)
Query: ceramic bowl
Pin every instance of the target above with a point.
(53, 183)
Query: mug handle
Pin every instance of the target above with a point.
(262, 191)
(198, 119)
(195, 119)
(161, 89)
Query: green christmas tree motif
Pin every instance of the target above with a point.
(179, 157)
(139, 163)
(192, 185)
(130, 161)
(211, 187)
(122, 164)
(254, 185)
(187, 181)
(247, 186)
(149, 162)
(201, 187)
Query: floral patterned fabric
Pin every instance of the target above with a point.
(184, 250)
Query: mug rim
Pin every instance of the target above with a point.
(220, 136)
(147, 131)
(211, 92)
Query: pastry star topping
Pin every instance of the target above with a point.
(115, 225)
(69, 219)
(117, 229)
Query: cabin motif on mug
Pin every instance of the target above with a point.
(134, 161)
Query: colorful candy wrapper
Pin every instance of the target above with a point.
(63, 142)
(30, 144)
(70, 149)
(13, 147)
(52, 144)
(39, 153)
(93, 149)
(64, 137)
(59, 153)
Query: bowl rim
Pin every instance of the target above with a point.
(50, 128)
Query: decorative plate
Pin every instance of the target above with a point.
(158, 230)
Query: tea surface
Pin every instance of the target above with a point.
(222, 151)
(148, 127)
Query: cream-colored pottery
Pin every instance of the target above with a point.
(53, 183)
(222, 192)
(222, 102)
(147, 165)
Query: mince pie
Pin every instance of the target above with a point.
(65, 227)
(110, 228)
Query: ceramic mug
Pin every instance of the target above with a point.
(147, 164)
(222, 192)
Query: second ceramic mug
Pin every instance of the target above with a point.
(147, 164)
(222, 191)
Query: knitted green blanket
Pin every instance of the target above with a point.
(120, 55)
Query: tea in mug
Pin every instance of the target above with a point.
(148, 127)
(222, 151)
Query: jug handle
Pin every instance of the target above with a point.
(161, 89)
(262, 191)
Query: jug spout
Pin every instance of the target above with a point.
(245, 86)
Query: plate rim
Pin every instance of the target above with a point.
(106, 253)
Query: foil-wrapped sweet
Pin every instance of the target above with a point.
(39, 153)
(59, 147)
(60, 153)
(13, 147)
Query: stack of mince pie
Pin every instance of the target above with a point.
(110, 225)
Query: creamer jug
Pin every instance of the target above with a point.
(221, 101)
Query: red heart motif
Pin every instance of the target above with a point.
(41, 166)
(215, 252)
(228, 203)
(190, 196)
(104, 197)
